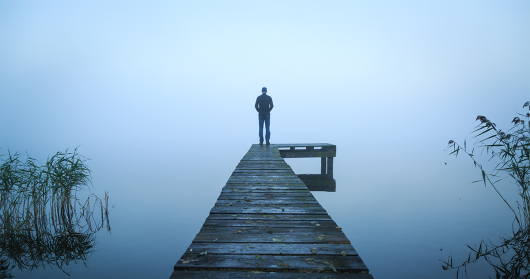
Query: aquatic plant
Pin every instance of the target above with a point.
(510, 150)
(42, 219)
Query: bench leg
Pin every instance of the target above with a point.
(330, 166)
(323, 165)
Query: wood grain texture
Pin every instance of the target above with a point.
(290, 249)
(273, 262)
(271, 223)
(269, 217)
(263, 274)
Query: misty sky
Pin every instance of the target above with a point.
(180, 71)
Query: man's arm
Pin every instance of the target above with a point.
(256, 105)
(271, 105)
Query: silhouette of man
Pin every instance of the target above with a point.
(264, 106)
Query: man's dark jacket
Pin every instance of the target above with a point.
(264, 105)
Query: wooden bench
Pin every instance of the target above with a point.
(325, 151)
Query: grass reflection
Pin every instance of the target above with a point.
(43, 221)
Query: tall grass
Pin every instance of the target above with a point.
(510, 256)
(43, 222)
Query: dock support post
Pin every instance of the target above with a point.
(330, 166)
(323, 165)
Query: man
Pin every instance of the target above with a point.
(264, 106)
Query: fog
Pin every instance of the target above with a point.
(160, 96)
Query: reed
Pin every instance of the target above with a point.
(510, 256)
(43, 221)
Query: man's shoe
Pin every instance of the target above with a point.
(260, 143)
(268, 143)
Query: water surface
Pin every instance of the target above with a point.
(400, 224)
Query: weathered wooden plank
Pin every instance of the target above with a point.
(261, 154)
(287, 170)
(276, 196)
(316, 229)
(265, 187)
(262, 159)
(264, 165)
(246, 202)
(256, 168)
(283, 163)
(299, 184)
(251, 273)
(272, 249)
(307, 150)
(266, 177)
(270, 199)
(268, 210)
(285, 205)
(263, 196)
(287, 145)
(272, 238)
(238, 179)
(275, 217)
(272, 223)
(284, 185)
(261, 182)
(267, 204)
(273, 263)
(264, 174)
(289, 173)
(242, 167)
(250, 205)
(254, 182)
(243, 183)
(307, 154)
(242, 186)
(286, 191)
(268, 195)
(257, 159)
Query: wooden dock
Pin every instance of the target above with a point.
(267, 224)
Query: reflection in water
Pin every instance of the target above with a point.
(43, 222)
(319, 182)
(325, 151)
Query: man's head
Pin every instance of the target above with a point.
(264, 90)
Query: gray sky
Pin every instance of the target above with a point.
(180, 71)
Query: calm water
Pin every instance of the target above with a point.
(401, 216)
